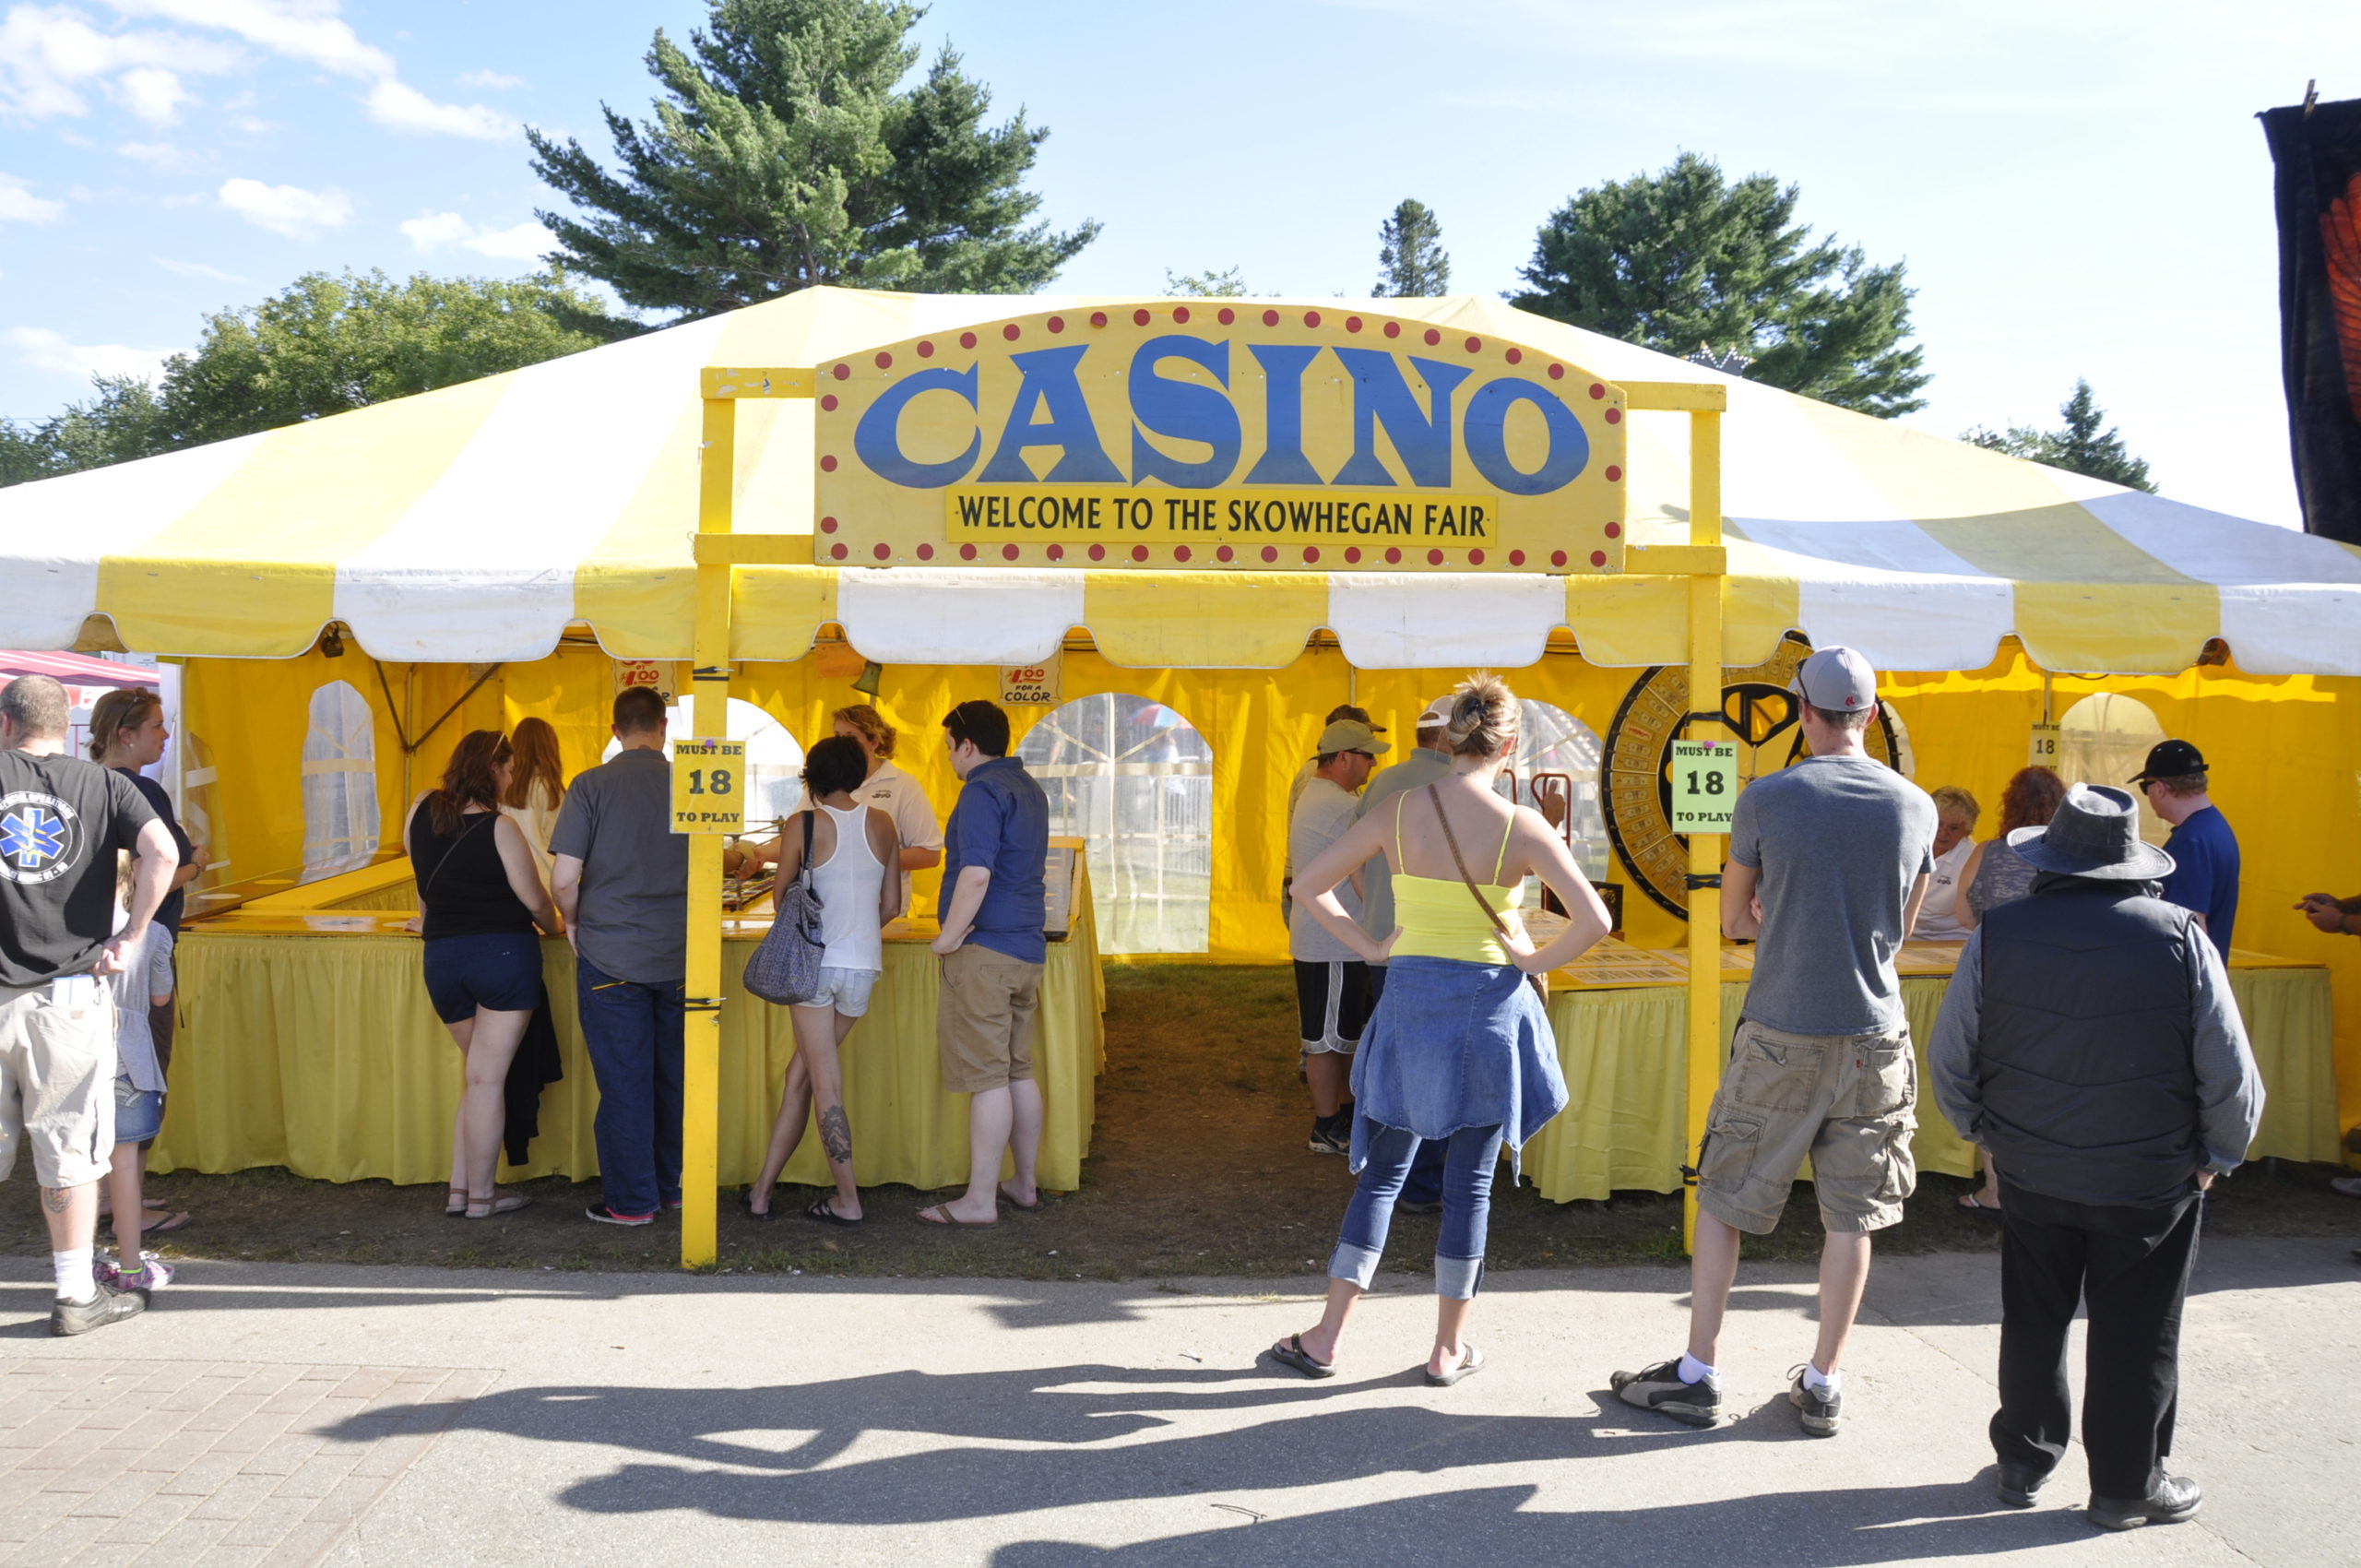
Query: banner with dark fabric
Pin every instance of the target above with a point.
(2316, 150)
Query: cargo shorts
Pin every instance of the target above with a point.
(1846, 1101)
(57, 1068)
(983, 1019)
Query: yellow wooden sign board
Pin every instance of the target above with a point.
(708, 785)
(1203, 436)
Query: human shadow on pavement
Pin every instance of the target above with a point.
(1802, 1529)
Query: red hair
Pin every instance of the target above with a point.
(2031, 799)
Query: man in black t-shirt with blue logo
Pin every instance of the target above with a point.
(62, 822)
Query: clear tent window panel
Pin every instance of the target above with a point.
(1557, 774)
(2104, 739)
(1134, 780)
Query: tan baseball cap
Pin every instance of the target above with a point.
(1348, 735)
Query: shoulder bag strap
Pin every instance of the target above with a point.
(1434, 799)
(449, 849)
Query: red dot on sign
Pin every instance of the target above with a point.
(1433, 336)
(1352, 556)
(1599, 557)
(885, 362)
(1057, 553)
(1514, 356)
(1557, 373)
(1012, 332)
(836, 552)
(1312, 318)
(1270, 318)
(1613, 473)
(842, 372)
(1139, 318)
(926, 348)
(1057, 323)
(884, 551)
(967, 340)
(1475, 345)
(1394, 329)
(1352, 324)
(1270, 552)
(829, 403)
(1180, 315)
(1226, 316)
(1393, 557)
(1179, 552)
(1615, 531)
(1098, 318)
(1516, 557)
(966, 552)
(1615, 416)
(926, 553)
(1475, 557)
(1139, 552)
(1597, 390)
(827, 525)
(1557, 558)
(1098, 553)
(828, 464)
(1312, 552)
(1225, 553)
(1008, 552)
(1434, 557)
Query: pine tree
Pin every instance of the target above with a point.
(783, 155)
(1685, 259)
(1411, 262)
(1205, 285)
(2080, 446)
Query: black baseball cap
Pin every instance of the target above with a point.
(2170, 759)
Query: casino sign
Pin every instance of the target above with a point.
(1762, 716)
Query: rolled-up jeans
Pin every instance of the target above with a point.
(1470, 1159)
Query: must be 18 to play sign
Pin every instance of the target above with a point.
(1704, 786)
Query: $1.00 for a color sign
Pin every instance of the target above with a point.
(1704, 786)
(708, 785)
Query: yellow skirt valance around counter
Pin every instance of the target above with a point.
(305, 1040)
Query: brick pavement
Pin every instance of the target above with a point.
(207, 1463)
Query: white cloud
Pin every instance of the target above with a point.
(287, 210)
(153, 93)
(49, 54)
(161, 156)
(309, 30)
(18, 205)
(404, 108)
(526, 242)
(198, 270)
(40, 348)
(491, 79)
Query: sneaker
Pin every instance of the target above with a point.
(2020, 1486)
(1331, 1135)
(2345, 1186)
(1659, 1388)
(606, 1215)
(152, 1275)
(109, 1306)
(1821, 1411)
(2169, 1500)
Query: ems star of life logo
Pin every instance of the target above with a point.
(40, 837)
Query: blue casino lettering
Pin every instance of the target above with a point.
(1051, 413)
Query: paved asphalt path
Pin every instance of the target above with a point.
(467, 1416)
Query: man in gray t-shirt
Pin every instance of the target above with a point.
(621, 882)
(1829, 861)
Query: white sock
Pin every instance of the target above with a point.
(1820, 1381)
(1693, 1369)
(74, 1279)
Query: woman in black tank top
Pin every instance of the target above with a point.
(482, 900)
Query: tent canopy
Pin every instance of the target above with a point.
(476, 523)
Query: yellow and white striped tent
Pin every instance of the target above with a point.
(477, 522)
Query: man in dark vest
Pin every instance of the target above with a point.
(2089, 1041)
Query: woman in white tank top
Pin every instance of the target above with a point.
(851, 846)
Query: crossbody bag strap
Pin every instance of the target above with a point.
(452, 849)
(1434, 799)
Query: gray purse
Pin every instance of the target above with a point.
(785, 968)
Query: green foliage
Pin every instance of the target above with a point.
(1686, 259)
(1411, 262)
(1205, 285)
(324, 345)
(2079, 446)
(782, 155)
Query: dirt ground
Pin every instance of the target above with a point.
(1198, 1167)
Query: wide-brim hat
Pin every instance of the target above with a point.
(2096, 835)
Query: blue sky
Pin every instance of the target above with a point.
(2078, 189)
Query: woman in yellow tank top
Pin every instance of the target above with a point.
(1459, 1050)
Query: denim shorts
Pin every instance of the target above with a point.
(497, 970)
(139, 1114)
(843, 991)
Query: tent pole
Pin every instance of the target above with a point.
(701, 1066)
(1705, 850)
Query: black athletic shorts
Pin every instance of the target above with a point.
(1332, 1003)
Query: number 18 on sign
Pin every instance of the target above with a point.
(1704, 786)
(708, 785)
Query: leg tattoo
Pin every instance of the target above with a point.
(835, 1134)
(54, 1199)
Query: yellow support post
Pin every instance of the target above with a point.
(1705, 850)
(709, 652)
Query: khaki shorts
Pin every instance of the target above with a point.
(57, 1085)
(1845, 1100)
(983, 1019)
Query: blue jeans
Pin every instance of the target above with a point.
(633, 1032)
(1424, 1184)
(1470, 1159)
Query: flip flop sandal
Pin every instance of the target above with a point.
(1021, 1209)
(1469, 1365)
(945, 1220)
(502, 1203)
(1289, 1352)
(456, 1210)
(746, 1202)
(167, 1225)
(1973, 1203)
(824, 1212)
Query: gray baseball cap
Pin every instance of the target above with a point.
(1838, 680)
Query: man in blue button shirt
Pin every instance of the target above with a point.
(2204, 851)
(993, 954)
